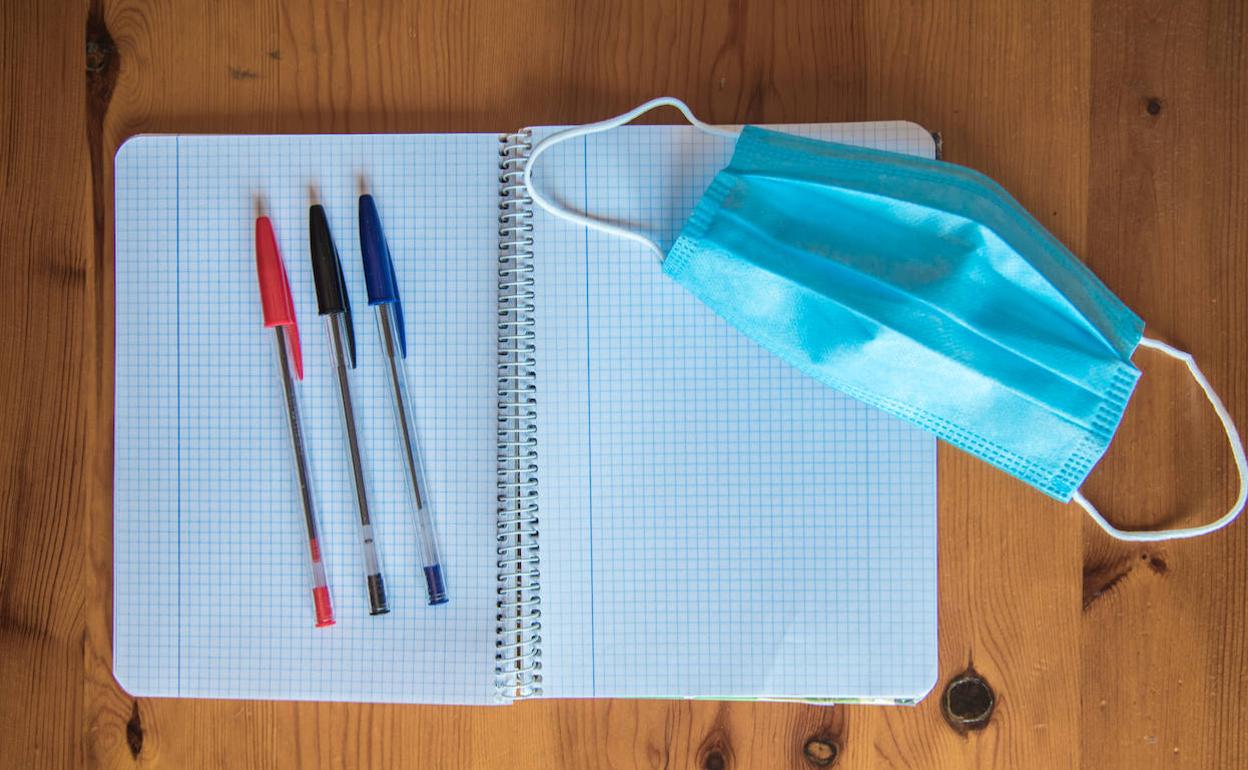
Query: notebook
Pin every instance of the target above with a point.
(633, 500)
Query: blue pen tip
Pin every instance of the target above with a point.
(435, 584)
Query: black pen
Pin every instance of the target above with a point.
(334, 306)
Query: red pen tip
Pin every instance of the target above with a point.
(324, 611)
(277, 305)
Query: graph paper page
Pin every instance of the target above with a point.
(713, 523)
(211, 594)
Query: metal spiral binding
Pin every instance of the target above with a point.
(517, 666)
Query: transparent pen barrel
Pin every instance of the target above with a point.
(340, 362)
(409, 449)
(303, 478)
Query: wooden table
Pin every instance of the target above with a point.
(1122, 126)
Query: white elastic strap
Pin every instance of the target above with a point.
(594, 128)
(1237, 449)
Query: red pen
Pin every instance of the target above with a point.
(279, 315)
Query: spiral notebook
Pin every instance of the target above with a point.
(633, 500)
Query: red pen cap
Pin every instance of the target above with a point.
(275, 299)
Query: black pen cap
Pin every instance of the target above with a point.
(331, 284)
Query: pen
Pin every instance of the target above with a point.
(383, 296)
(279, 315)
(334, 305)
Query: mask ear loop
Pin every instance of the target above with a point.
(579, 218)
(1237, 449)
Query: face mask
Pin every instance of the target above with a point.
(918, 287)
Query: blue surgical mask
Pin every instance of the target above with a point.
(921, 288)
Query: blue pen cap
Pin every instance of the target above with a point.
(383, 287)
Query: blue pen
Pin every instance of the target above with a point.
(383, 296)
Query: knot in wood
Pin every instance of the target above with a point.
(820, 752)
(968, 701)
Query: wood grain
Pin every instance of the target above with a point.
(1121, 125)
(1164, 653)
(48, 446)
